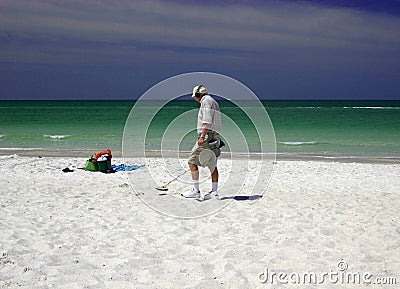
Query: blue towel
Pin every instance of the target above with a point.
(124, 167)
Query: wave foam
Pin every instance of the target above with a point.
(373, 107)
(19, 149)
(56, 136)
(297, 143)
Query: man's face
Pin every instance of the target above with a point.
(197, 98)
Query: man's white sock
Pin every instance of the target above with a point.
(196, 185)
(214, 186)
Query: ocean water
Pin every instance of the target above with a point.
(318, 128)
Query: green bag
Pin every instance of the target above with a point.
(91, 166)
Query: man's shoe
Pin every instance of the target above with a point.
(191, 194)
(210, 195)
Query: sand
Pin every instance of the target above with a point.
(92, 230)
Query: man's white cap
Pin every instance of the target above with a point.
(199, 89)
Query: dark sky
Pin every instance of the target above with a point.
(101, 49)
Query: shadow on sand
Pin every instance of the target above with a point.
(242, 198)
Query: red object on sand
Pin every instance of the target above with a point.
(105, 152)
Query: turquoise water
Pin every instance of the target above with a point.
(344, 128)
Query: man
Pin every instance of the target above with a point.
(208, 127)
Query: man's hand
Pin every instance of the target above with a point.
(200, 141)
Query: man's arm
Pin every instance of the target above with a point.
(205, 128)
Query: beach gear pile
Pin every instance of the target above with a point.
(102, 162)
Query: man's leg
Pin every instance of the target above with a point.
(214, 178)
(194, 170)
(195, 191)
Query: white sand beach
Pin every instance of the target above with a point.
(90, 230)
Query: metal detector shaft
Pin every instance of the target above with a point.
(165, 186)
(176, 178)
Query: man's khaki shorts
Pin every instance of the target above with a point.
(202, 155)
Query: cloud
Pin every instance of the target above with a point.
(265, 36)
(212, 26)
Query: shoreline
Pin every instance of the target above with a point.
(39, 152)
